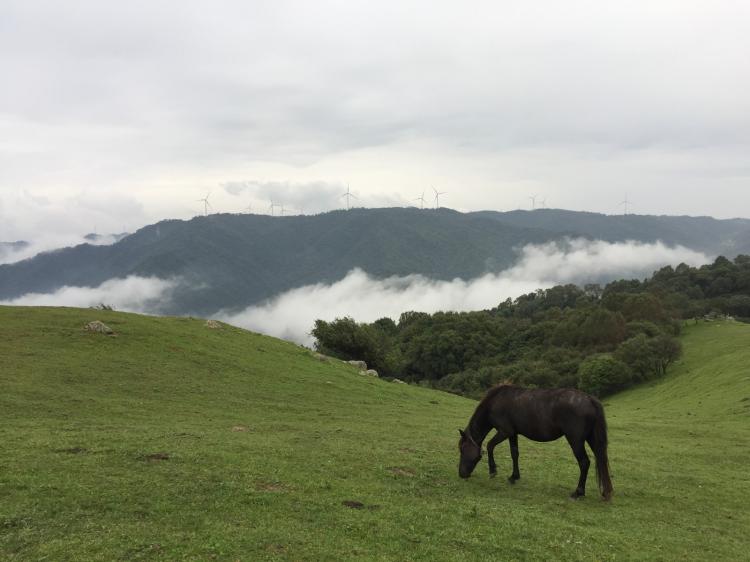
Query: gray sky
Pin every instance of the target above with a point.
(117, 114)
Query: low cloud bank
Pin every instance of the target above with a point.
(131, 294)
(291, 315)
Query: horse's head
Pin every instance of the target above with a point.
(470, 454)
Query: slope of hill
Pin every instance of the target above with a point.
(233, 261)
(173, 441)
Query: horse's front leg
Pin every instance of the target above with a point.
(494, 442)
(513, 440)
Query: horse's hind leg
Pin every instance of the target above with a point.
(494, 442)
(579, 450)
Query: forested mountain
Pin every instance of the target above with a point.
(232, 261)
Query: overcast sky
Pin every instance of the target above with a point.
(117, 114)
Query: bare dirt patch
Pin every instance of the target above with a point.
(401, 471)
(73, 450)
(353, 504)
(265, 486)
(240, 428)
(154, 457)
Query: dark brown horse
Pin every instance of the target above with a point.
(540, 415)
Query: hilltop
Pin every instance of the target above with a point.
(233, 261)
(172, 440)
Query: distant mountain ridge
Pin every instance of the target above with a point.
(233, 261)
(707, 234)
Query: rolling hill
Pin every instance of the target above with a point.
(233, 261)
(172, 440)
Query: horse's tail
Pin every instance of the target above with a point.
(599, 445)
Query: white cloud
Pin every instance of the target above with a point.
(292, 314)
(131, 294)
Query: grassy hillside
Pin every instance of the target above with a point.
(174, 441)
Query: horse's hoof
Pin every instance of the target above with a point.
(576, 495)
(512, 480)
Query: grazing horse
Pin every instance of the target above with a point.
(540, 415)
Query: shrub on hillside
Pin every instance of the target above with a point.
(603, 374)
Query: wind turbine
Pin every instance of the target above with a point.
(543, 204)
(348, 194)
(626, 203)
(282, 209)
(533, 201)
(437, 197)
(272, 206)
(206, 204)
(420, 198)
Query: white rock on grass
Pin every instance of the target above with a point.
(98, 327)
(361, 365)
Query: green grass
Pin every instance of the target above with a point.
(81, 416)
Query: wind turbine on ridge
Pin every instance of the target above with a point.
(272, 206)
(348, 194)
(206, 204)
(421, 198)
(626, 203)
(437, 197)
(533, 201)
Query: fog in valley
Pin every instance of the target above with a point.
(292, 314)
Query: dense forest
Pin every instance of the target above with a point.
(599, 339)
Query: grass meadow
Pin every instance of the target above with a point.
(174, 441)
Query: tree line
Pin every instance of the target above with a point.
(600, 339)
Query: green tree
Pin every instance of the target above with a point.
(603, 374)
(636, 354)
(665, 350)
